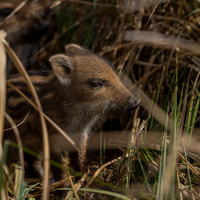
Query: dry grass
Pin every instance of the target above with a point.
(155, 49)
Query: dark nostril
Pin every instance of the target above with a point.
(134, 103)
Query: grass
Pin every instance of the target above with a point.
(161, 159)
(155, 184)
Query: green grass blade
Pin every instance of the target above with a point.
(188, 173)
(27, 190)
(89, 34)
(120, 196)
(156, 98)
(173, 143)
(160, 194)
(195, 111)
(144, 173)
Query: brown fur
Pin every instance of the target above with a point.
(81, 91)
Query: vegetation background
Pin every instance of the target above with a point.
(155, 44)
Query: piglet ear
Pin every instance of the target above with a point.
(74, 49)
(62, 66)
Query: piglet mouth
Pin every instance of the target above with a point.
(134, 103)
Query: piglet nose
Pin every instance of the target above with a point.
(133, 104)
(42, 26)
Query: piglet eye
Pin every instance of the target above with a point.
(95, 83)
